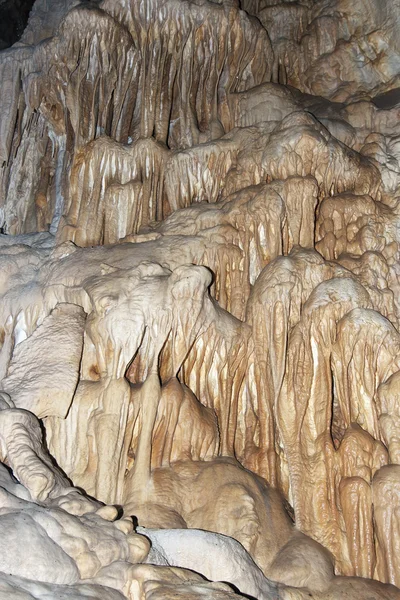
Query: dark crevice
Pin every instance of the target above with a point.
(387, 100)
(14, 16)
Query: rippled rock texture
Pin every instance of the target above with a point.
(199, 315)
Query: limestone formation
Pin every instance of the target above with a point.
(200, 301)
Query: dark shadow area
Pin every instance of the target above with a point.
(14, 16)
(388, 99)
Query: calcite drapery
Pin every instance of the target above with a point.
(199, 285)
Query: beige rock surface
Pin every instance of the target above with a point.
(200, 301)
(59, 343)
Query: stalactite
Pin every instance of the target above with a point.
(199, 284)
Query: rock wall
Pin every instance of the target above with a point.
(199, 284)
